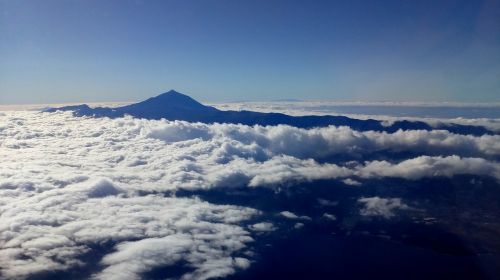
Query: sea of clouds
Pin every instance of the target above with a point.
(435, 114)
(69, 184)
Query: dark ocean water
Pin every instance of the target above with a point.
(322, 256)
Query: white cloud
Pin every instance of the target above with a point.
(264, 142)
(330, 217)
(293, 216)
(204, 253)
(351, 182)
(298, 225)
(67, 183)
(50, 230)
(47, 151)
(383, 207)
(262, 227)
(425, 166)
(289, 215)
(282, 169)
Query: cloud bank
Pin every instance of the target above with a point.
(48, 151)
(50, 230)
(69, 184)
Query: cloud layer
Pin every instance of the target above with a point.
(50, 230)
(383, 207)
(68, 184)
(305, 108)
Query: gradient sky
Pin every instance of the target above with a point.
(120, 50)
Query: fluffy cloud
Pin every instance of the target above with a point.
(283, 169)
(383, 207)
(47, 151)
(293, 216)
(262, 227)
(68, 184)
(204, 253)
(351, 182)
(425, 166)
(50, 230)
(261, 142)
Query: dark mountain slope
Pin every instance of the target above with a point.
(173, 105)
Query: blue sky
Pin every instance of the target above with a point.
(75, 51)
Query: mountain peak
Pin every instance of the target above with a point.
(171, 99)
(172, 92)
(173, 105)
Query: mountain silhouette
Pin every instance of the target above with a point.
(173, 105)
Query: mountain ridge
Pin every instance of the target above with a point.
(173, 105)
